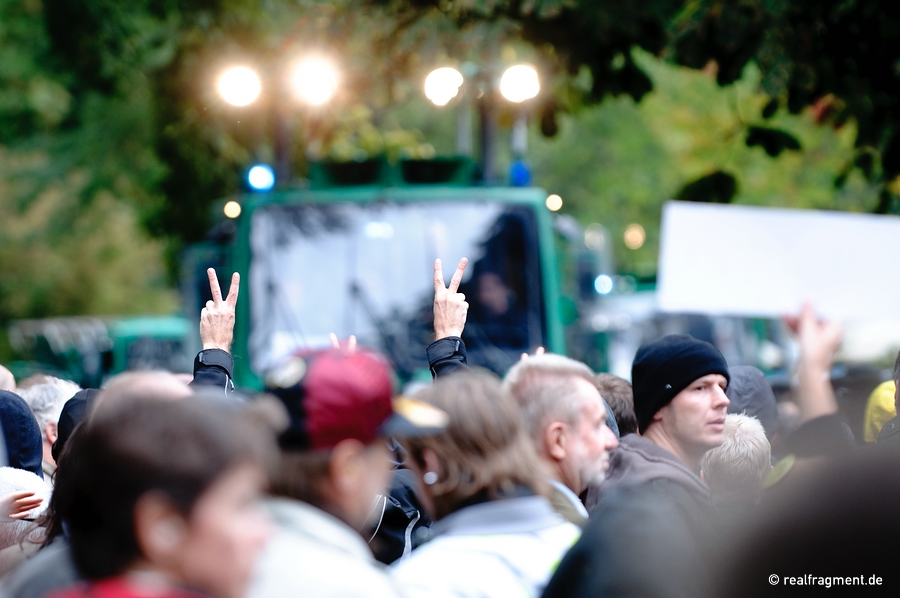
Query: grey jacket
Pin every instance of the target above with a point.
(500, 549)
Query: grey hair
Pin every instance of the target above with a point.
(46, 399)
(544, 387)
(737, 468)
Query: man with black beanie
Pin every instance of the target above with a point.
(652, 526)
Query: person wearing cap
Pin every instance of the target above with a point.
(750, 393)
(652, 530)
(334, 462)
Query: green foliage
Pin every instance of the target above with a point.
(837, 56)
(77, 172)
(617, 163)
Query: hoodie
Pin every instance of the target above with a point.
(637, 460)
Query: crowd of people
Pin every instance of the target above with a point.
(690, 480)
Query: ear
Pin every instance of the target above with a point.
(51, 432)
(159, 528)
(432, 463)
(555, 441)
(702, 476)
(658, 416)
(346, 466)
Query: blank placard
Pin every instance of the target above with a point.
(753, 261)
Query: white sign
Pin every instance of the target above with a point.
(753, 261)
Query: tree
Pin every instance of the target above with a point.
(837, 56)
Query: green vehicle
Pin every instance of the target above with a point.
(353, 255)
(88, 350)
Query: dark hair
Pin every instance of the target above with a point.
(618, 394)
(129, 448)
(300, 475)
(897, 370)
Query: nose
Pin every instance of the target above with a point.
(611, 441)
(721, 399)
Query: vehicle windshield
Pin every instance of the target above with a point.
(366, 269)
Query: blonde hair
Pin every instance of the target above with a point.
(737, 468)
(483, 451)
(544, 387)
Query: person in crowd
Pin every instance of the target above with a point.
(880, 409)
(21, 434)
(830, 535)
(680, 402)
(7, 380)
(27, 499)
(619, 396)
(652, 532)
(565, 419)
(890, 432)
(162, 499)
(494, 533)
(751, 394)
(334, 463)
(46, 395)
(571, 427)
(74, 411)
(822, 435)
(736, 470)
(52, 567)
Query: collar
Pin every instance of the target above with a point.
(570, 496)
(638, 460)
(505, 516)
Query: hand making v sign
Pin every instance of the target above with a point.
(217, 318)
(450, 307)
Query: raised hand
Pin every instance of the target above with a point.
(450, 307)
(217, 318)
(538, 351)
(336, 344)
(819, 340)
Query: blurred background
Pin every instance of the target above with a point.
(315, 147)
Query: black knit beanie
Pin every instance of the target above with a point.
(666, 366)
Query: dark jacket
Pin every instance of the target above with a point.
(213, 368)
(890, 433)
(637, 460)
(650, 534)
(21, 433)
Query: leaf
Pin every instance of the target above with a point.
(773, 141)
(717, 187)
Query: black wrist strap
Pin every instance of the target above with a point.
(214, 357)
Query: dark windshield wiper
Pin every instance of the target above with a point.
(358, 292)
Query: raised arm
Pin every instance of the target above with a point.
(450, 307)
(447, 353)
(819, 340)
(214, 365)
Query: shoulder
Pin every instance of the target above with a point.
(495, 564)
(293, 564)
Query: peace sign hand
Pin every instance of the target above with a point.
(450, 307)
(217, 318)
